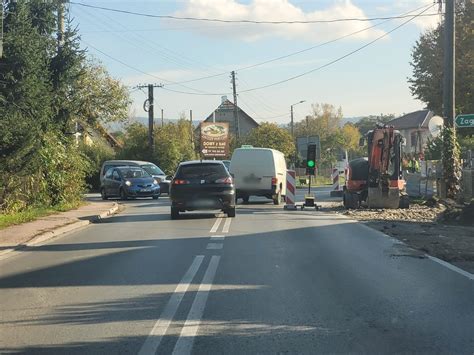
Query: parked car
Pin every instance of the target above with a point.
(202, 185)
(259, 172)
(150, 168)
(129, 181)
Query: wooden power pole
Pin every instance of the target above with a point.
(236, 114)
(148, 106)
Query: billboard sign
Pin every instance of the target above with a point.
(215, 139)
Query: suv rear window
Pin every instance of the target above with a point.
(197, 171)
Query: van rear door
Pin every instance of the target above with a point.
(253, 169)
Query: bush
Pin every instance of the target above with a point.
(96, 155)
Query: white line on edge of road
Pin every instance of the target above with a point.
(185, 341)
(161, 326)
(452, 267)
(216, 238)
(227, 225)
(216, 225)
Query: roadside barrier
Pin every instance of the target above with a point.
(335, 179)
(336, 190)
(290, 190)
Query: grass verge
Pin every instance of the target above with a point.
(33, 213)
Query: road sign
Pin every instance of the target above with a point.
(215, 139)
(302, 144)
(465, 121)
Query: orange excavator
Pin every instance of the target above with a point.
(377, 181)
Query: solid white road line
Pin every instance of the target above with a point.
(452, 267)
(161, 326)
(226, 225)
(214, 246)
(216, 225)
(216, 238)
(185, 341)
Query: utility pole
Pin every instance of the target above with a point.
(293, 131)
(451, 162)
(148, 106)
(162, 119)
(192, 131)
(236, 116)
(449, 65)
(1, 28)
(60, 24)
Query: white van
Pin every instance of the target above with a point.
(259, 172)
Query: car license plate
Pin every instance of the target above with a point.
(145, 190)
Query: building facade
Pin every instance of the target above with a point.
(225, 113)
(414, 128)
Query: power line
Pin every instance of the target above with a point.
(281, 81)
(301, 51)
(171, 17)
(147, 45)
(152, 75)
(339, 58)
(333, 61)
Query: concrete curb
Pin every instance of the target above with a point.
(45, 236)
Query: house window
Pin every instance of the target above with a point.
(413, 138)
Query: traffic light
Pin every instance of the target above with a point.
(311, 159)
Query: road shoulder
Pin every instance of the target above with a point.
(420, 228)
(51, 226)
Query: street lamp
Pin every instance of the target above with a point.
(292, 129)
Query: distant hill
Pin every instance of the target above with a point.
(350, 120)
(114, 127)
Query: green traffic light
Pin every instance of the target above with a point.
(311, 163)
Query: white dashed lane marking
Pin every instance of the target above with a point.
(161, 326)
(185, 341)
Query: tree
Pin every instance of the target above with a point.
(25, 98)
(325, 122)
(172, 145)
(426, 83)
(43, 92)
(99, 98)
(269, 135)
(367, 123)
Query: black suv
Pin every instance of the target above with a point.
(202, 185)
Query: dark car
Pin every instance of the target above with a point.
(202, 185)
(226, 164)
(129, 181)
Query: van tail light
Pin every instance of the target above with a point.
(274, 181)
(180, 182)
(227, 180)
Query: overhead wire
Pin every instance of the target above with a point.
(329, 63)
(300, 51)
(189, 18)
(412, 17)
(148, 46)
(339, 58)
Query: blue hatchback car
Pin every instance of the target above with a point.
(129, 182)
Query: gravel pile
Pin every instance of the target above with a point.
(416, 213)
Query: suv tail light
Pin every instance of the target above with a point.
(274, 181)
(180, 182)
(227, 180)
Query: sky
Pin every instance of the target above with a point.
(145, 50)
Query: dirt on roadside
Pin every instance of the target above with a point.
(440, 230)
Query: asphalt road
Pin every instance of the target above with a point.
(267, 281)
